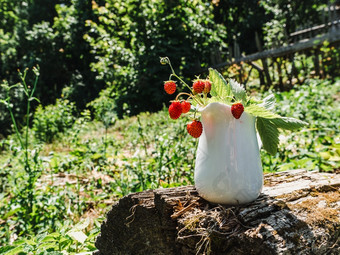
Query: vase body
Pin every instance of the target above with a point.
(228, 166)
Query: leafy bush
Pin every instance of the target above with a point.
(103, 108)
(49, 34)
(128, 37)
(52, 120)
(288, 16)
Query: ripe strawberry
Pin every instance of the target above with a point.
(198, 86)
(175, 110)
(207, 86)
(170, 87)
(185, 106)
(195, 128)
(237, 110)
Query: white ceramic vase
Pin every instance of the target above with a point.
(228, 164)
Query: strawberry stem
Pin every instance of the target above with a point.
(174, 74)
(197, 99)
(183, 93)
(179, 78)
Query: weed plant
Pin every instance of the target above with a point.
(24, 196)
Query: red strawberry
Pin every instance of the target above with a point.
(170, 87)
(175, 110)
(198, 86)
(207, 86)
(185, 106)
(195, 128)
(237, 110)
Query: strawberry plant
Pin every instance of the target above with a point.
(216, 89)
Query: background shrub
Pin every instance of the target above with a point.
(128, 37)
(51, 120)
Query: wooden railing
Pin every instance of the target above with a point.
(306, 42)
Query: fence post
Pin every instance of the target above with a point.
(263, 60)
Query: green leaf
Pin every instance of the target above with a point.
(238, 91)
(269, 102)
(45, 246)
(269, 134)
(53, 252)
(288, 123)
(259, 111)
(78, 236)
(11, 213)
(4, 249)
(220, 88)
(81, 225)
(15, 250)
(50, 237)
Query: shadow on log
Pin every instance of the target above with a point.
(297, 213)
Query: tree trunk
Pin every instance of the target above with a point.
(297, 213)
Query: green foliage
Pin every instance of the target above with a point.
(329, 55)
(67, 238)
(314, 147)
(128, 38)
(51, 120)
(43, 33)
(81, 46)
(238, 91)
(241, 20)
(80, 174)
(221, 90)
(103, 108)
(85, 46)
(259, 111)
(287, 17)
(24, 203)
(269, 134)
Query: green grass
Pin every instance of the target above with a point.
(84, 171)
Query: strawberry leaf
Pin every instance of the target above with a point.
(259, 111)
(269, 134)
(220, 88)
(288, 123)
(269, 102)
(238, 91)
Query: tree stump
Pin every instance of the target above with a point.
(297, 213)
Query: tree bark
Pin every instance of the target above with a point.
(297, 213)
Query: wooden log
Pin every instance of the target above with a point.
(297, 213)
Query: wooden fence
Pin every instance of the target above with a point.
(318, 44)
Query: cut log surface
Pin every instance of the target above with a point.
(297, 213)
